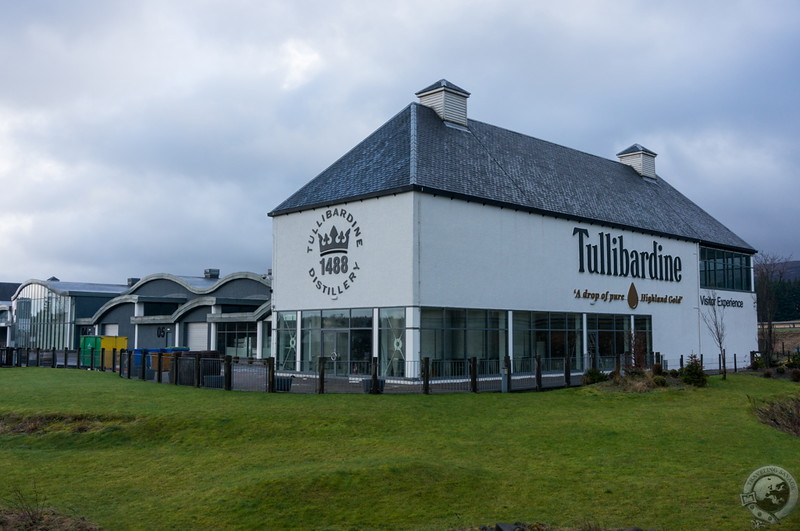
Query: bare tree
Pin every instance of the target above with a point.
(769, 272)
(714, 318)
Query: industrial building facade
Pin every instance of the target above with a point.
(229, 314)
(443, 237)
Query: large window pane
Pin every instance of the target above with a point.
(361, 318)
(335, 319)
(312, 319)
(394, 317)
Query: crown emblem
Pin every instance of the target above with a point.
(335, 242)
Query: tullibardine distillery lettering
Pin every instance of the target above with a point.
(610, 257)
(340, 213)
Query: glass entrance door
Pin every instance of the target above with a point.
(336, 347)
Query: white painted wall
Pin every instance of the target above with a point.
(384, 259)
(469, 255)
(740, 323)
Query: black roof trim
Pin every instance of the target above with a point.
(353, 199)
(636, 148)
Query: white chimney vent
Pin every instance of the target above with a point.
(448, 100)
(641, 159)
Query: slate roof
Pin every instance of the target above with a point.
(417, 151)
(7, 289)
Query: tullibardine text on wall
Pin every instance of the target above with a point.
(610, 257)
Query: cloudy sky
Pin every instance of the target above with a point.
(141, 137)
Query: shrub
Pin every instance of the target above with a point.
(796, 375)
(693, 373)
(659, 380)
(674, 373)
(658, 370)
(781, 370)
(593, 376)
(639, 385)
(767, 373)
(635, 372)
(756, 363)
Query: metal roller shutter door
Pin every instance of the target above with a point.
(197, 336)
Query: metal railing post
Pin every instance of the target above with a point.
(473, 374)
(321, 373)
(373, 388)
(538, 373)
(197, 372)
(228, 373)
(507, 372)
(270, 374)
(426, 375)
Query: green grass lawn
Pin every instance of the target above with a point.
(169, 457)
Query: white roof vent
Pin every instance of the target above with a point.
(641, 159)
(448, 100)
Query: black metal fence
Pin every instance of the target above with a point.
(208, 369)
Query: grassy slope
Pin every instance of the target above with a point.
(209, 459)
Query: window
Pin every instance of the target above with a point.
(287, 340)
(392, 330)
(725, 270)
(345, 335)
(237, 339)
(44, 319)
(550, 336)
(452, 334)
(609, 335)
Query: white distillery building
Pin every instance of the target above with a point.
(444, 237)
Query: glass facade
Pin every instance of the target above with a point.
(44, 319)
(551, 336)
(725, 270)
(286, 328)
(610, 334)
(458, 334)
(237, 339)
(343, 336)
(391, 344)
(451, 336)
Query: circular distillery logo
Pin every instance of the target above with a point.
(770, 494)
(333, 243)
